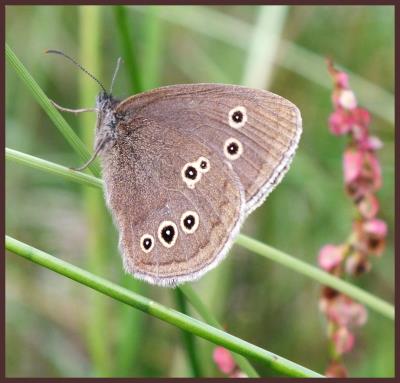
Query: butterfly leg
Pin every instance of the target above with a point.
(96, 152)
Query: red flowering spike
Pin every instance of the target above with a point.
(362, 178)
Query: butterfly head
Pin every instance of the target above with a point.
(104, 101)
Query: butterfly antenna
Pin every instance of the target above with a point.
(115, 73)
(78, 65)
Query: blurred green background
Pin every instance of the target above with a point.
(56, 327)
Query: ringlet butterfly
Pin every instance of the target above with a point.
(183, 166)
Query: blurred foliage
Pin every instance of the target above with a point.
(48, 317)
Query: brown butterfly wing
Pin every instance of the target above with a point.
(270, 135)
(144, 187)
(165, 129)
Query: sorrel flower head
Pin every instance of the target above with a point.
(362, 178)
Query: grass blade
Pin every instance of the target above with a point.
(93, 208)
(152, 49)
(127, 47)
(51, 111)
(207, 315)
(264, 45)
(188, 338)
(51, 167)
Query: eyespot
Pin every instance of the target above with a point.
(190, 221)
(147, 243)
(167, 233)
(203, 164)
(233, 149)
(237, 117)
(190, 174)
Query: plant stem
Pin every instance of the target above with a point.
(127, 48)
(377, 304)
(188, 338)
(263, 46)
(131, 333)
(96, 245)
(208, 317)
(51, 167)
(131, 323)
(152, 49)
(51, 111)
(187, 323)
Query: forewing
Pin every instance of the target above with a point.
(269, 136)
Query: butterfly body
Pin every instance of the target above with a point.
(184, 165)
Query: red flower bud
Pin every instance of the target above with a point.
(336, 370)
(330, 256)
(339, 122)
(345, 312)
(357, 263)
(368, 206)
(375, 232)
(343, 340)
(224, 360)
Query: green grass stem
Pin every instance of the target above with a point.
(152, 49)
(188, 339)
(128, 49)
(264, 45)
(208, 317)
(51, 167)
(89, 18)
(49, 108)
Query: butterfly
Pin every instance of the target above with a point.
(184, 165)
